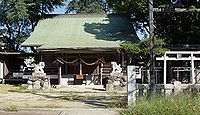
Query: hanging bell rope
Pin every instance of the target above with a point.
(96, 62)
(102, 60)
(89, 63)
(86, 63)
(68, 61)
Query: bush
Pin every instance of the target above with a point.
(184, 104)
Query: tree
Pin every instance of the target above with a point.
(179, 28)
(87, 6)
(38, 8)
(13, 18)
(141, 49)
(174, 28)
(19, 17)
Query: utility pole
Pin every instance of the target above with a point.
(152, 54)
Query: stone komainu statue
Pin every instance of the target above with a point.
(39, 79)
(39, 68)
(116, 70)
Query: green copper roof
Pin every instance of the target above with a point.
(81, 31)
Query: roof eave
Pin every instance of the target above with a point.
(77, 48)
(31, 45)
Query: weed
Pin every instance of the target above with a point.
(52, 106)
(12, 108)
(117, 103)
(20, 89)
(184, 104)
(71, 96)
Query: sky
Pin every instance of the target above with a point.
(59, 10)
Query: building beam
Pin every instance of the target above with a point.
(175, 10)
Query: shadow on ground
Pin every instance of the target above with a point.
(96, 101)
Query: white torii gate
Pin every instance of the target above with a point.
(1, 71)
(192, 56)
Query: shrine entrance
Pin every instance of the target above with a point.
(183, 66)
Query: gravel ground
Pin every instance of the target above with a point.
(70, 111)
(69, 100)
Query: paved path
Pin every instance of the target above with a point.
(73, 111)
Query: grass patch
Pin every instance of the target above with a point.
(71, 96)
(12, 108)
(24, 89)
(118, 100)
(20, 89)
(51, 106)
(5, 88)
(183, 104)
(117, 103)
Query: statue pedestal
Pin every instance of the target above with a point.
(38, 81)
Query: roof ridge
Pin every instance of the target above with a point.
(82, 15)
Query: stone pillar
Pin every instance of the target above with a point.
(177, 87)
(1, 72)
(132, 87)
(168, 89)
(37, 84)
(109, 87)
(141, 90)
(30, 85)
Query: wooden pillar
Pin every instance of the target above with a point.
(60, 74)
(123, 63)
(80, 68)
(66, 64)
(119, 57)
(123, 60)
(41, 57)
(98, 72)
(192, 76)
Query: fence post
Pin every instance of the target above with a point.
(168, 89)
(132, 87)
(141, 90)
(177, 87)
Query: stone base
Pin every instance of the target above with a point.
(35, 82)
(113, 87)
(109, 87)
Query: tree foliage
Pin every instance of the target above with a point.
(141, 50)
(88, 6)
(174, 28)
(179, 28)
(19, 17)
